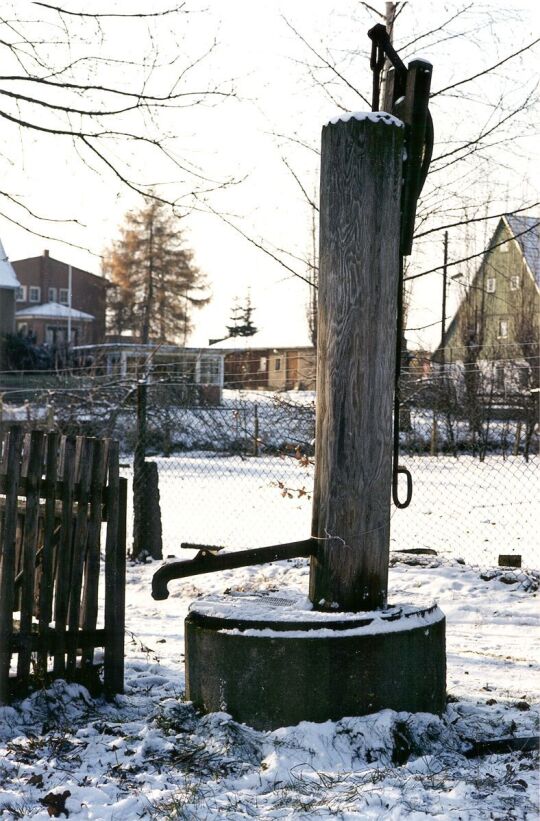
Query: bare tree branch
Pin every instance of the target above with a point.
(471, 256)
(474, 219)
(486, 70)
(326, 63)
(98, 15)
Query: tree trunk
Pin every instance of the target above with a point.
(361, 170)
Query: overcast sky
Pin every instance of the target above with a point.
(283, 95)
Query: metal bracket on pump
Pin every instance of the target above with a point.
(406, 95)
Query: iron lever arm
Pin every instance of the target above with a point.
(208, 561)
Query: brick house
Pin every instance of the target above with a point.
(9, 285)
(43, 298)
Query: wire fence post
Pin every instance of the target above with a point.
(139, 458)
(255, 430)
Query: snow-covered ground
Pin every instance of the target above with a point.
(460, 507)
(148, 754)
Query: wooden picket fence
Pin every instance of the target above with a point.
(55, 493)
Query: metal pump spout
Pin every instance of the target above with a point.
(210, 559)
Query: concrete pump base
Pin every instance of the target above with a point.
(270, 661)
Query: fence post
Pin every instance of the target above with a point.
(115, 577)
(255, 430)
(139, 525)
(11, 465)
(361, 173)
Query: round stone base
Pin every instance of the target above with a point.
(270, 661)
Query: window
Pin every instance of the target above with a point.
(514, 283)
(504, 248)
(503, 328)
(64, 296)
(34, 293)
(277, 364)
(209, 371)
(499, 377)
(262, 364)
(52, 294)
(21, 294)
(490, 285)
(523, 376)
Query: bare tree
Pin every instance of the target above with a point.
(72, 93)
(527, 377)
(483, 121)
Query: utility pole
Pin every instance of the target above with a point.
(389, 17)
(445, 284)
(70, 305)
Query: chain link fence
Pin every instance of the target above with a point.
(240, 474)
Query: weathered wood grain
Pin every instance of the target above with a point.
(115, 573)
(63, 554)
(33, 469)
(85, 453)
(11, 467)
(89, 607)
(50, 524)
(361, 166)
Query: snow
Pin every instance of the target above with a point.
(148, 754)
(362, 116)
(8, 277)
(265, 339)
(293, 607)
(462, 508)
(53, 310)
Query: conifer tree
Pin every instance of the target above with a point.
(242, 323)
(156, 284)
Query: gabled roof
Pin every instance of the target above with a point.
(53, 310)
(8, 277)
(527, 233)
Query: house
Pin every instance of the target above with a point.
(195, 373)
(9, 286)
(251, 363)
(496, 327)
(48, 309)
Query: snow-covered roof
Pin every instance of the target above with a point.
(274, 340)
(8, 277)
(53, 310)
(527, 233)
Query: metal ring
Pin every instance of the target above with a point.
(395, 489)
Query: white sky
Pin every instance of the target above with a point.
(276, 94)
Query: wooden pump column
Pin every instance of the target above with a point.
(361, 172)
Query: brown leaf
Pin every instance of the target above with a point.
(56, 803)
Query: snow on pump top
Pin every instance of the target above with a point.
(374, 116)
